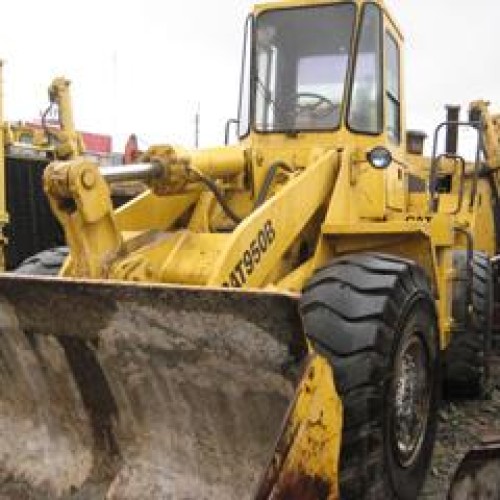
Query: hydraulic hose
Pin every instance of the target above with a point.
(212, 186)
(266, 185)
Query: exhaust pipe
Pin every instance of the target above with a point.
(452, 119)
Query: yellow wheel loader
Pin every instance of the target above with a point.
(271, 320)
(27, 223)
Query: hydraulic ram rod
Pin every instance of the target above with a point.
(136, 172)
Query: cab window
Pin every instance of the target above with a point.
(393, 83)
(302, 58)
(244, 104)
(365, 110)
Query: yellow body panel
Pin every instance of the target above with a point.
(310, 446)
(163, 212)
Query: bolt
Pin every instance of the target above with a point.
(88, 179)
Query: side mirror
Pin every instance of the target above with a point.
(227, 134)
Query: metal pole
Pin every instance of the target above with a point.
(197, 128)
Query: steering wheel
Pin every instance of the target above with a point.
(321, 106)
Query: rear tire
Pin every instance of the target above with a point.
(46, 263)
(373, 317)
(466, 371)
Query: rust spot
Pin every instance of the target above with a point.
(294, 485)
(300, 486)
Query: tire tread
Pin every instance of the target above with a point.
(360, 298)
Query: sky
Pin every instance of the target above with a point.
(146, 67)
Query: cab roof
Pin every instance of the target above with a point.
(286, 4)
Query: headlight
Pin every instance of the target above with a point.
(379, 157)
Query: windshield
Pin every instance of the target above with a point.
(302, 56)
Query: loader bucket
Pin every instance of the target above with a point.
(478, 474)
(132, 391)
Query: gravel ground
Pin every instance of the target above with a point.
(462, 425)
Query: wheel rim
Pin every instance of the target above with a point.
(412, 389)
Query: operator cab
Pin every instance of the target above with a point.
(319, 67)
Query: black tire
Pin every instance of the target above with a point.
(466, 371)
(362, 312)
(46, 263)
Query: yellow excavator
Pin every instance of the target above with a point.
(269, 320)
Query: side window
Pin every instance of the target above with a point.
(365, 110)
(393, 97)
(244, 104)
(266, 88)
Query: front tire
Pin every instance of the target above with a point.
(373, 317)
(46, 263)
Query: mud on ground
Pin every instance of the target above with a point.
(463, 425)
